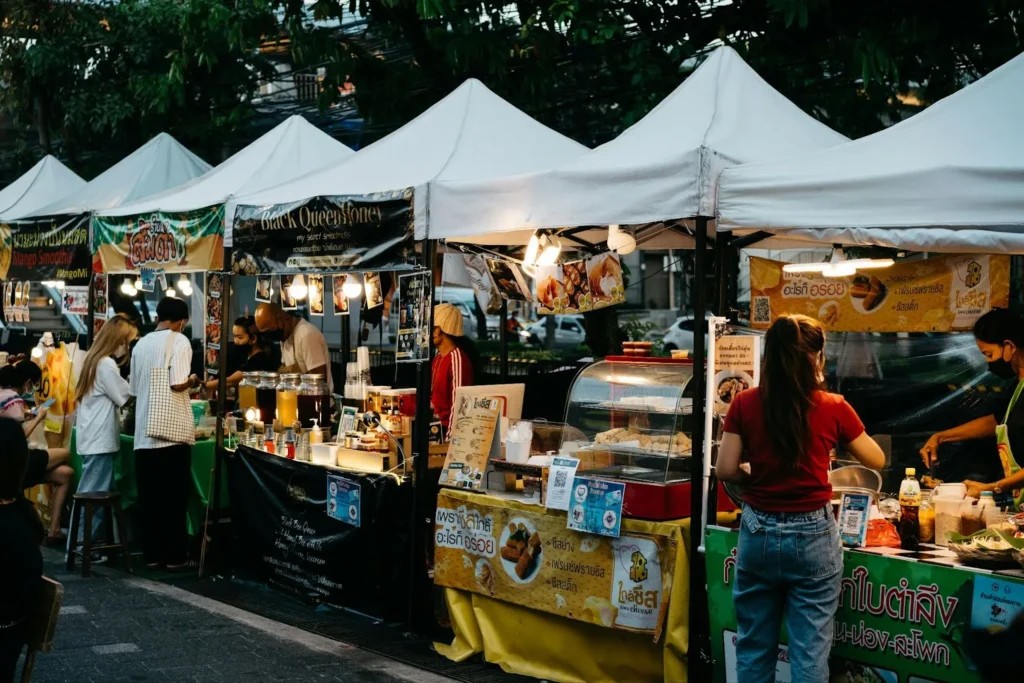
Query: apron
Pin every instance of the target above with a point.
(1010, 465)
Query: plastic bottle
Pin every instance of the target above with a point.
(989, 510)
(316, 434)
(910, 508)
(268, 440)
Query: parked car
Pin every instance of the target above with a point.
(679, 334)
(569, 332)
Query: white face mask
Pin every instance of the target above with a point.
(121, 351)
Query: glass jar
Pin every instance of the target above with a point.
(314, 402)
(266, 397)
(247, 391)
(287, 399)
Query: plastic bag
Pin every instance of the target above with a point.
(882, 534)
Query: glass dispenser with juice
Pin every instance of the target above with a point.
(247, 391)
(287, 399)
(314, 402)
(266, 397)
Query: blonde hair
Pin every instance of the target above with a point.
(115, 332)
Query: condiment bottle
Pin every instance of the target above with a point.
(910, 507)
(268, 440)
(289, 443)
(316, 434)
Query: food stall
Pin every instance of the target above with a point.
(945, 181)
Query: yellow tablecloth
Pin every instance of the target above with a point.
(547, 646)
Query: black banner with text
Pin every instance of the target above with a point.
(284, 535)
(47, 249)
(324, 233)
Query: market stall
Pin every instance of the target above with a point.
(652, 187)
(946, 180)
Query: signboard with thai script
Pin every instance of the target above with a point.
(525, 555)
(324, 233)
(46, 249)
(899, 620)
(944, 294)
(169, 242)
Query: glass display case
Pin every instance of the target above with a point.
(636, 417)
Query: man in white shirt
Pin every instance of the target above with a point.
(163, 470)
(303, 347)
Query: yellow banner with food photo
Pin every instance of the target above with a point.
(944, 294)
(530, 558)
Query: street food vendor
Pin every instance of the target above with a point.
(250, 352)
(303, 347)
(454, 365)
(1000, 338)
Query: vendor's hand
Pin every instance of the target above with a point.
(975, 488)
(930, 450)
(212, 385)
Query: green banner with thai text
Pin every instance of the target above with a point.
(188, 241)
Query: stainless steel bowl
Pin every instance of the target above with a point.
(855, 479)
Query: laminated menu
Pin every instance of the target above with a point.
(473, 442)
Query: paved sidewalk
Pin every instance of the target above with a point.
(117, 628)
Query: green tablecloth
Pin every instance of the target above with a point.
(204, 459)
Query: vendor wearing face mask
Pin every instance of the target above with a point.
(303, 347)
(250, 352)
(1000, 338)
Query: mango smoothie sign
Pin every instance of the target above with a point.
(528, 557)
(169, 242)
(46, 249)
(945, 294)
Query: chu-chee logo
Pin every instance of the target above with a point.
(152, 243)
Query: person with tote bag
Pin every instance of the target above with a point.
(164, 435)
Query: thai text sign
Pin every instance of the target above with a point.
(942, 294)
(169, 242)
(899, 620)
(529, 558)
(46, 249)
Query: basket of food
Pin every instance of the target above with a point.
(987, 548)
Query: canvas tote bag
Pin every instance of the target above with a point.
(170, 412)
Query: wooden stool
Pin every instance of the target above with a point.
(91, 501)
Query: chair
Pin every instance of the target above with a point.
(42, 624)
(110, 501)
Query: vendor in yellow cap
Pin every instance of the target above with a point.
(455, 363)
(1000, 338)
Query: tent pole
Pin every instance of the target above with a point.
(698, 658)
(503, 339)
(722, 272)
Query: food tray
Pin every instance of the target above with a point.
(637, 408)
(970, 553)
(517, 468)
(635, 451)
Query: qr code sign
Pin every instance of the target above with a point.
(560, 477)
(762, 310)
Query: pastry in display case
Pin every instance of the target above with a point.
(636, 417)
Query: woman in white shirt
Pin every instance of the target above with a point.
(102, 392)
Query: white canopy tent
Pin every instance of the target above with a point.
(471, 133)
(40, 185)
(663, 168)
(950, 178)
(160, 164)
(291, 149)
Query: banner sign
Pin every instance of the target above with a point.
(581, 286)
(737, 368)
(899, 620)
(324, 233)
(50, 249)
(529, 558)
(413, 340)
(945, 294)
(168, 242)
(285, 534)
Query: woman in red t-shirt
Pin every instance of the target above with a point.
(790, 560)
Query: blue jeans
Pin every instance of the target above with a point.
(97, 476)
(788, 565)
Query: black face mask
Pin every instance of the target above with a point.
(1002, 368)
(274, 335)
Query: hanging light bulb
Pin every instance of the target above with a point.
(128, 289)
(298, 289)
(352, 288)
(838, 265)
(184, 285)
(171, 293)
(620, 241)
(532, 250)
(549, 256)
(138, 284)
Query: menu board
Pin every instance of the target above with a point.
(473, 441)
(945, 294)
(580, 286)
(528, 557)
(413, 340)
(737, 368)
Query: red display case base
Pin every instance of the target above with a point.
(660, 502)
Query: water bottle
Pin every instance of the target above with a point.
(910, 508)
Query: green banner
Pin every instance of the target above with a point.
(162, 241)
(899, 621)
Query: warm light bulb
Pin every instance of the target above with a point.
(184, 285)
(298, 289)
(37, 352)
(841, 269)
(532, 249)
(128, 289)
(804, 267)
(352, 288)
(549, 256)
(170, 292)
(138, 284)
(620, 240)
(250, 415)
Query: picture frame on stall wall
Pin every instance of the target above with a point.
(340, 300)
(287, 302)
(604, 273)
(19, 313)
(265, 288)
(316, 295)
(100, 302)
(372, 289)
(508, 278)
